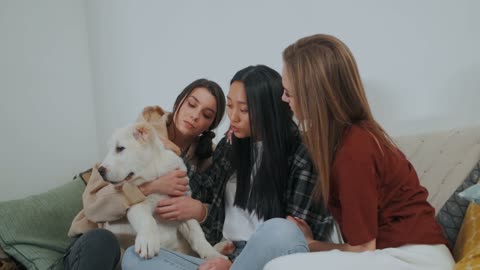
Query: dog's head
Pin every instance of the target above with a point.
(131, 151)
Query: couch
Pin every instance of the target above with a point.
(33, 230)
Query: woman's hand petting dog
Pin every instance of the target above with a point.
(215, 264)
(180, 209)
(174, 183)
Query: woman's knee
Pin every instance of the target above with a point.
(102, 240)
(279, 231)
(281, 228)
(130, 258)
(96, 249)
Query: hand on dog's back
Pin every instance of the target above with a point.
(174, 183)
(180, 209)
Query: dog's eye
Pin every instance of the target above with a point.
(119, 149)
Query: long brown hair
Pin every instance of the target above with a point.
(204, 147)
(329, 98)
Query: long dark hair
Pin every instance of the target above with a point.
(271, 124)
(204, 146)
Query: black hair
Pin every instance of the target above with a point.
(204, 146)
(271, 123)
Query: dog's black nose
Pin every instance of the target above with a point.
(102, 171)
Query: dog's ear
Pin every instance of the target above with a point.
(143, 133)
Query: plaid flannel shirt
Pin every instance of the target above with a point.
(209, 187)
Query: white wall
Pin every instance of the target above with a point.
(46, 111)
(418, 59)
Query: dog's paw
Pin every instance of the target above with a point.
(225, 247)
(147, 243)
(212, 252)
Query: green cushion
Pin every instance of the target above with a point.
(34, 230)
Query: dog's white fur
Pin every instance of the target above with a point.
(137, 155)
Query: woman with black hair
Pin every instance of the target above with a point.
(260, 173)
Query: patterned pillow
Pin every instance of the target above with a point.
(453, 211)
(467, 248)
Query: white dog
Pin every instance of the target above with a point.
(137, 155)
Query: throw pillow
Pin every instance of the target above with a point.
(471, 194)
(453, 211)
(34, 230)
(467, 248)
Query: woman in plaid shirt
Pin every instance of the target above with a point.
(261, 174)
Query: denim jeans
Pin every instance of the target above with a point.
(274, 238)
(95, 250)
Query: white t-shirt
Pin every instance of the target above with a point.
(239, 224)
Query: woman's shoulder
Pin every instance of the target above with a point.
(201, 164)
(298, 154)
(357, 133)
(358, 142)
(297, 147)
(222, 147)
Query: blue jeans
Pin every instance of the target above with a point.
(274, 238)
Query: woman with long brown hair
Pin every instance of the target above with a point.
(369, 186)
(187, 130)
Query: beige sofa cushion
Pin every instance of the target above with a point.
(442, 159)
